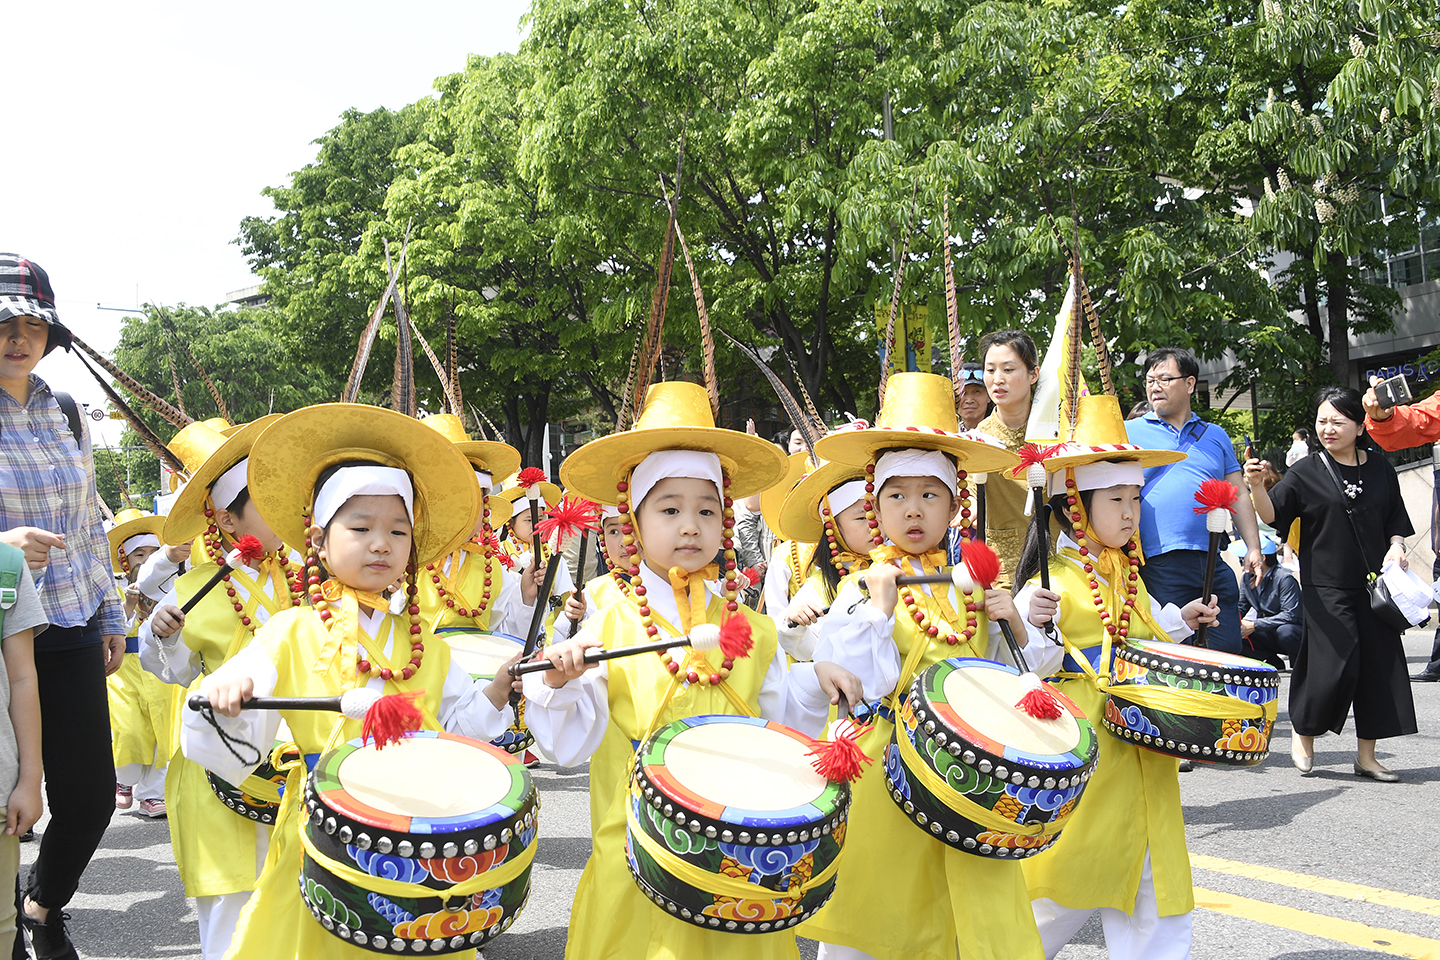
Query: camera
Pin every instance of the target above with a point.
(1392, 391)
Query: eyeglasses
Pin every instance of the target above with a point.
(1162, 381)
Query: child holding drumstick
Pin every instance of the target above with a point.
(328, 476)
(1138, 875)
(677, 506)
(903, 895)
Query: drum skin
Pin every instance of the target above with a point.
(1225, 741)
(480, 653)
(242, 801)
(771, 848)
(436, 853)
(1026, 786)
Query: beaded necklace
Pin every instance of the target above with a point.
(1118, 627)
(732, 593)
(216, 542)
(436, 570)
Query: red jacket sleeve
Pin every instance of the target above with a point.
(1410, 426)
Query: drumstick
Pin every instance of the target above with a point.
(248, 548)
(352, 703)
(957, 575)
(388, 717)
(733, 642)
(537, 620)
(1216, 499)
(580, 566)
(792, 624)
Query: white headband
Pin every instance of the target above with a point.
(128, 547)
(664, 464)
(1098, 476)
(485, 479)
(366, 481)
(845, 496)
(915, 463)
(224, 490)
(609, 512)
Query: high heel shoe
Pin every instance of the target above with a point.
(1382, 776)
(1302, 763)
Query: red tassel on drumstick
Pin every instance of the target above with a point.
(1216, 499)
(983, 566)
(840, 759)
(247, 550)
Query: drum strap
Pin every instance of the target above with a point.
(947, 794)
(717, 883)
(1188, 703)
(386, 887)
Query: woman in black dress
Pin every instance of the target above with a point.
(1348, 656)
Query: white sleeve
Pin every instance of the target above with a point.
(1170, 620)
(791, 694)
(569, 722)
(466, 710)
(202, 743)
(777, 586)
(859, 638)
(1043, 655)
(157, 576)
(508, 612)
(169, 659)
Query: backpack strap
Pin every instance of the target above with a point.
(12, 568)
(72, 415)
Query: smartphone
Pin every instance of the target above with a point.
(1392, 391)
(1249, 448)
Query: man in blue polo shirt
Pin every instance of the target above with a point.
(1172, 534)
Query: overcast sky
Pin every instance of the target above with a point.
(139, 134)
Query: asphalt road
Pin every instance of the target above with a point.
(1287, 867)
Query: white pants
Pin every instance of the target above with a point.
(1143, 935)
(149, 782)
(833, 951)
(219, 916)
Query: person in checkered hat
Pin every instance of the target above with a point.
(49, 509)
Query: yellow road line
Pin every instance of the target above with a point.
(1303, 881)
(1329, 928)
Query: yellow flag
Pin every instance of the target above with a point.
(912, 336)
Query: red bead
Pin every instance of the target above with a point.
(622, 487)
(714, 678)
(414, 629)
(640, 590)
(245, 620)
(407, 673)
(970, 608)
(325, 615)
(732, 606)
(417, 648)
(933, 631)
(651, 630)
(363, 666)
(673, 667)
(692, 676)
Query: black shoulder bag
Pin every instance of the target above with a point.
(1381, 603)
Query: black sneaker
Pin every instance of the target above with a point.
(48, 940)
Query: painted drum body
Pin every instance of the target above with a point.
(1234, 687)
(431, 812)
(979, 774)
(252, 798)
(481, 654)
(730, 827)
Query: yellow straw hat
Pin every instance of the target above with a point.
(206, 454)
(918, 413)
(1099, 434)
(676, 416)
(292, 453)
(800, 516)
(773, 498)
(131, 523)
(495, 458)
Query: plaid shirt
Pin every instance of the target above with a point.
(46, 482)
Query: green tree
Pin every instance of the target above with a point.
(308, 254)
